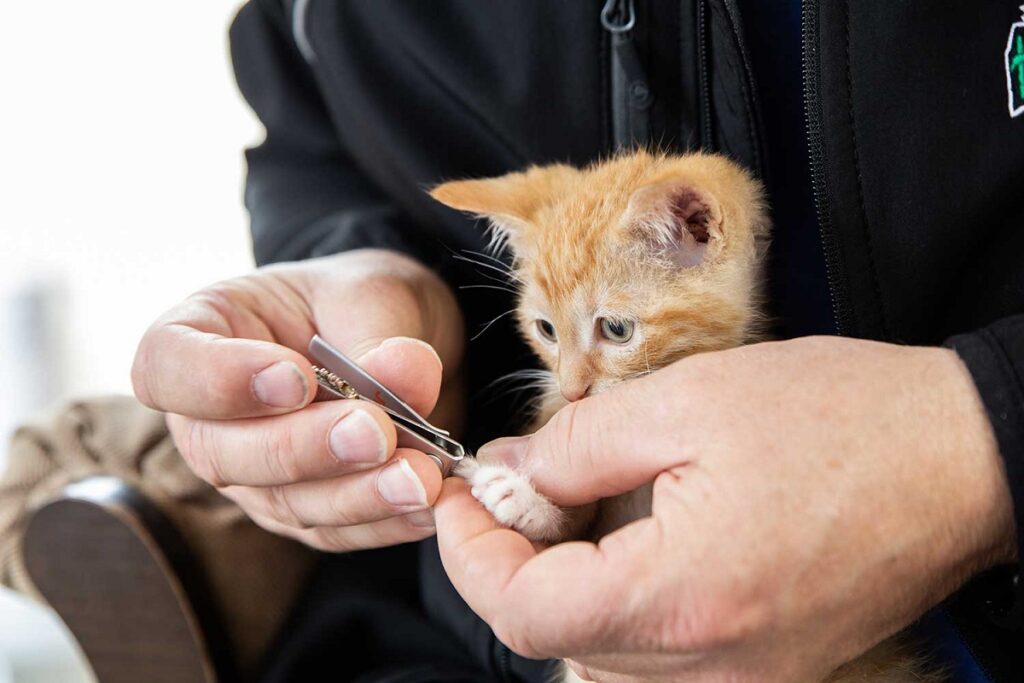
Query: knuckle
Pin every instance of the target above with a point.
(280, 455)
(327, 539)
(281, 507)
(197, 448)
(340, 509)
(214, 469)
(223, 298)
(376, 536)
(565, 443)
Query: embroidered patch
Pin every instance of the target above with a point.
(1015, 67)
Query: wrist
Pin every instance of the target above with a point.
(983, 488)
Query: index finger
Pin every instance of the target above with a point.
(190, 363)
(565, 600)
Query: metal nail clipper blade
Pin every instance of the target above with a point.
(340, 377)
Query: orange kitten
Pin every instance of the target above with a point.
(623, 268)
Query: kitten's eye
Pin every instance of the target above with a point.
(547, 330)
(618, 331)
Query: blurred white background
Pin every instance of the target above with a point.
(121, 137)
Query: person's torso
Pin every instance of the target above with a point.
(916, 158)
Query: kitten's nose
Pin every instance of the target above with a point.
(574, 392)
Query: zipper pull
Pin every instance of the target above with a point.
(631, 96)
(618, 16)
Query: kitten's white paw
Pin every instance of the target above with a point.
(513, 501)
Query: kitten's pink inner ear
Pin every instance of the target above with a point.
(681, 220)
(693, 215)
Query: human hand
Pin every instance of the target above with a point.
(811, 497)
(227, 366)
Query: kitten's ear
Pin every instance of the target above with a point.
(679, 218)
(510, 201)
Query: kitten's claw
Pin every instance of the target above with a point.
(511, 498)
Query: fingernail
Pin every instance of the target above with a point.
(282, 385)
(357, 438)
(422, 518)
(509, 450)
(398, 484)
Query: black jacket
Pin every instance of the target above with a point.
(917, 165)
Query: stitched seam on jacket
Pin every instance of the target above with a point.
(299, 13)
(860, 181)
(746, 89)
(604, 59)
(683, 138)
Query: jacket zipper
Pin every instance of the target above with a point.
(815, 144)
(707, 141)
(630, 96)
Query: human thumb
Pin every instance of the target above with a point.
(598, 447)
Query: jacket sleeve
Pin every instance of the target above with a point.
(994, 355)
(304, 195)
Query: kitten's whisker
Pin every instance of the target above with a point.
(503, 289)
(637, 375)
(506, 269)
(647, 361)
(540, 382)
(497, 238)
(495, 279)
(503, 271)
(489, 257)
(463, 257)
(488, 325)
(536, 375)
(534, 392)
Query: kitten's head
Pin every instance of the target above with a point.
(628, 265)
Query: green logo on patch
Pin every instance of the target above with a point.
(1015, 67)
